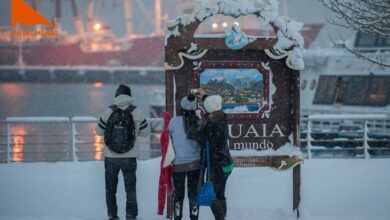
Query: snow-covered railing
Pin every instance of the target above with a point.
(29, 139)
(354, 135)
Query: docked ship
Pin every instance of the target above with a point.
(94, 53)
(336, 81)
(347, 99)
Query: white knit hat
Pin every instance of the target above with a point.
(213, 103)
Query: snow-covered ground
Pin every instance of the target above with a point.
(331, 189)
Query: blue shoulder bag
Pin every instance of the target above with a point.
(206, 194)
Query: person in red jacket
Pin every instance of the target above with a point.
(166, 168)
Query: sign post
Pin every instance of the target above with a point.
(258, 79)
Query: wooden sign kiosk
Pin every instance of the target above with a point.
(257, 78)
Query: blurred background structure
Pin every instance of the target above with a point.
(102, 43)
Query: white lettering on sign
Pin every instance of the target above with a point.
(262, 145)
(230, 131)
(277, 131)
(253, 131)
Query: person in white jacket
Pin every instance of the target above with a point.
(125, 162)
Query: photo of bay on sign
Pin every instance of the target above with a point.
(241, 88)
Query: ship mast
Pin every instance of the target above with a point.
(128, 17)
(158, 17)
(90, 15)
(185, 6)
(285, 7)
(57, 20)
(35, 7)
(77, 19)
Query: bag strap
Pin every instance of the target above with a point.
(130, 108)
(207, 152)
(205, 156)
(113, 107)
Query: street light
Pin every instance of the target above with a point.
(97, 26)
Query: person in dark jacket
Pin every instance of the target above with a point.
(182, 130)
(125, 162)
(214, 129)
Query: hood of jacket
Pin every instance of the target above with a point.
(123, 101)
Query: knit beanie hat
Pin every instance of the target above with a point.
(123, 90)
(213, 103)
(188, 103)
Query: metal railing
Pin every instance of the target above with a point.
(27, 142)
(31, 139)
(346, 136)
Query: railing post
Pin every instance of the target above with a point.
(365, 138)
(8, 143)
(74, 141)
(308, 137)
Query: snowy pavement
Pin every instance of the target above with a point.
(336, 189)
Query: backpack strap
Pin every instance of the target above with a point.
(113, 107)
(131, 108)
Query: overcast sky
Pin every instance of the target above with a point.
(111, 12)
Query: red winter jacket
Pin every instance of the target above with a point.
(165, 183)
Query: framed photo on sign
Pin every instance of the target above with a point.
(244, 87)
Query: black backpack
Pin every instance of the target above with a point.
(119, 135)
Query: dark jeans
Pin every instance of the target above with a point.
(128, 166)
(218, 178)
(179, 185)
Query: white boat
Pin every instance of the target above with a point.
(345, 101)
(336, 81)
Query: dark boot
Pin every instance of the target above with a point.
(194, 211)
(217, 210)
(113, 218)
(178, 212)
(130, 217)
(224, 208)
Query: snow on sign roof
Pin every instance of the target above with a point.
(286, 29)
